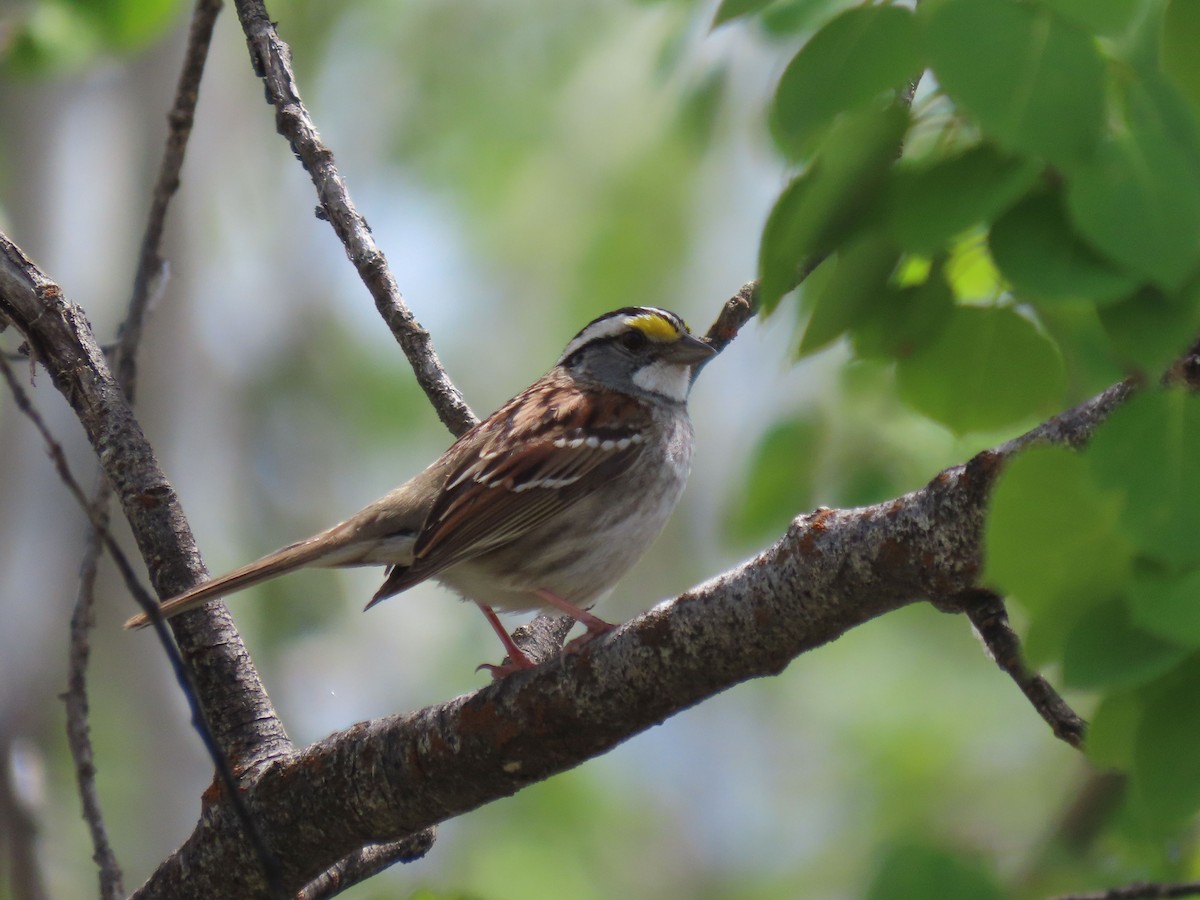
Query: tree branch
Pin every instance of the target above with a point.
(1139, 891)
(147, 282)
(98, 518)
(986, 611)
(79, 740)
(244, 723)
(367, 863)
(271, 58)
(831, 571)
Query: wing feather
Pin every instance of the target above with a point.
(529, 463)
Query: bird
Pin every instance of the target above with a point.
(545, 504)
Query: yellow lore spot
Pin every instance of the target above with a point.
(655, 327)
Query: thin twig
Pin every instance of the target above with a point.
(148, 282)
(986, 611)
(151, 266)
(79, 737)
(271, 58)
(1139, 891)
(147, 602)
(366, 863)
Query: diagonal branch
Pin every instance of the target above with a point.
(75, 698)
(243, 721)
(831, 571)
(272, 62)
(367, 863)
(986, 612)
(98, 518)
(148, 280)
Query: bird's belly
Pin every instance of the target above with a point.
(579, 557)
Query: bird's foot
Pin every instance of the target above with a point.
(517, 660)
(508, 667)
(596, 628)
(594, 624)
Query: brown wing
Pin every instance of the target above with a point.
(528, 464)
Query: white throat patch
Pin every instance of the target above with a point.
(669, 380)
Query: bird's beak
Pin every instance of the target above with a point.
(690, 350)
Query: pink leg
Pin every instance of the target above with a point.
(594, 624)
(517, 660)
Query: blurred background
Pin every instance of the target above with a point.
(525, 166)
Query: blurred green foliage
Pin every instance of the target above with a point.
(1025, 233)
(45, 37)
(1100, 544)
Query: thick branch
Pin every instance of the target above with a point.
(834, 569)
(236, 706)
(383, 779)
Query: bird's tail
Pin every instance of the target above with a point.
(293, 556)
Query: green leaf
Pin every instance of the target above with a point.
(1168, 606)
(131, 24)
(780, 480)
(918, 870)
(1149, 449)
(735, 9)
(861, 275)
(1148, 331)
(822, 207)
(988, 368)
(1106, 650)
(1180, 38)
(1137, 199)
(48, 37)
(1091, 360)
(1033, 81)
(1036, 250)
(1106, 17)
(898, 321)
(929, 205)
(1052, 536)
(789, 17)
(852, 60)
(1112, 731)
(1166, 766)
(971, 272)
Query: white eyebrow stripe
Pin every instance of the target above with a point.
(603, 329)
(614, 325)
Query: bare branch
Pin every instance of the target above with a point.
(151, 266)
(366, 863)
(272, 62)
(986, 611)
(244, 723)
(1139, 891)
(147, 283)
(183, 674)
(79, 739)
(831, 571)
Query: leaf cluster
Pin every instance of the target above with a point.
(1024, 232)
(1027, 230)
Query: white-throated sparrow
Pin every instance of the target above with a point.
(543, 505)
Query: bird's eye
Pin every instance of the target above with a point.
(634, 340)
